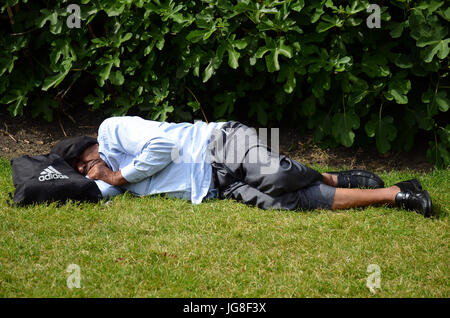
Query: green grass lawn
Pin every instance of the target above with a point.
(159, 247)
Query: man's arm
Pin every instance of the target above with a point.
(144, 140)
(100, 171)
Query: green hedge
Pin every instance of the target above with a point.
(311, 62)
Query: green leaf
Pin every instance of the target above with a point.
(225, 104)
(329, 22)
(230, 45)
(194, 105)
(384, 130)
(259, 108)
(261, 51)
(272, 62)
(196, 35)
(17, 108)
(284, 49)
(429, 32)
(396, 29)
(375, 65)
(149, 48)
(308, 106)
(445, 14)
(440, 48)
(233, 58)
(213, 64)
(114, 10)
(435, 101)
(323, 126)
(343, 125)
(98, 100)
(399, 87)
(356, 97)
(262, 117)
(54, 81)
(399, 98)
(160, 44)
(116, 78)
(287, 75)
(321, 82)
(20, 100)
(404, 61)
(127, 36)
(317, 13)
(438, 152)
(298, 5)
(56, 28)
(427, 96)
(47, 15)
(7, 63)
(162, 112)
(45, 106)
(430, 5)
(442, 101)
(275, 49)
(104, 73)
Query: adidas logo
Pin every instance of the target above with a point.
(50, 173)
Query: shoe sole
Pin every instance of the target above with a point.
(429, 208)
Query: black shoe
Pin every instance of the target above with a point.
(409, 185)
(419, 201)
(358, 179)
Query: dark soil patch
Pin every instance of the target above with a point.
(31, 136)
(28, 136)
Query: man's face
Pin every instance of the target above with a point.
(87, 160)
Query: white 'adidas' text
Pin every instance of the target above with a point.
(51, 173)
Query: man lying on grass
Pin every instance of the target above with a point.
(226, 160)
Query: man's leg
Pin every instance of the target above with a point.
(246, 159)
(290, 176)
(321, 196)
(350, 198)
(287, 175)
(255, 164)
(251, 161)
(316, 196)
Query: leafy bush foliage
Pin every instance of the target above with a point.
(311, 62)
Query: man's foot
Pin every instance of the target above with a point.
(357, 179)
(409, 185)
(419, 201)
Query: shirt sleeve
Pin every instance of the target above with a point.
(107, 190)
(151, 148)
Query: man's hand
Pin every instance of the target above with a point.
(98, 170)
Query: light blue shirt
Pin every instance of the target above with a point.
(158, 157)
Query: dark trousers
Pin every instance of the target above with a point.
(246, 170)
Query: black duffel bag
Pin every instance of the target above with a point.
(48, 178)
